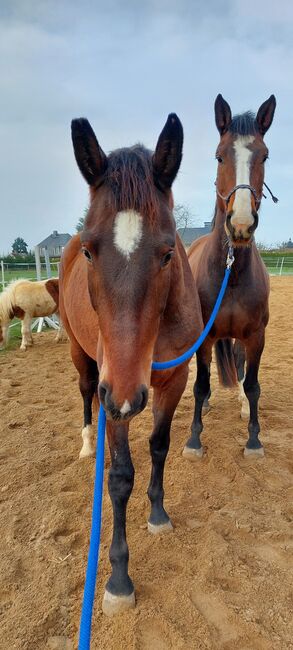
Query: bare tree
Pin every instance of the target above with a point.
(183, 216)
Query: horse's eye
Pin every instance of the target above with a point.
(167, 258)
(87, 254)
(219, 159)
(265, 157)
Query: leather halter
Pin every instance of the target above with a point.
(243, 186)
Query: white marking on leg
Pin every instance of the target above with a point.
(88, 447)
(245, 408)
(26, 332)
(127, 231)
(242, 201)
(125, 408)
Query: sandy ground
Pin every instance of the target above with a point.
(222, 579)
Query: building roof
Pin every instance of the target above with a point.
(56, 239)
(188, 235)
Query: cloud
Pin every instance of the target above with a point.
(126, 65)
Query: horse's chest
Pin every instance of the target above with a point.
(237, 319)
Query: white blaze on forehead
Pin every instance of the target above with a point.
(127, 231)
(242, 201)
(125, 408)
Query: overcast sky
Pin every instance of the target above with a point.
(125, 65)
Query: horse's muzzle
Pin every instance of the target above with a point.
(127, 409)
(241, 233)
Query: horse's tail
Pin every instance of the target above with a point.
(225, 363)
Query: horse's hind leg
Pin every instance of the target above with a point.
(193, 448)
(165, 400)
(254, 348)
(26, 332)
(239, 358)
(88, 381)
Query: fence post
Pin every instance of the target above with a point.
(2, 275)
(47, 260)
(281, 266)
(38, 263)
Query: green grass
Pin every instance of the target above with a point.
(14, 337)
(27, 274)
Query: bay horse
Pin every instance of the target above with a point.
(244, 313)
(26, 299)
(127, 297)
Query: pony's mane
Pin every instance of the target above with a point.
(130, 178)
(244, 124)
(6, 300)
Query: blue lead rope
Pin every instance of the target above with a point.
(164, 365)
(93, 555)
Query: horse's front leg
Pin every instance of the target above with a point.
(26, 332)
(193, 448)
(4, 334)
(166, 398)
(119, 592)
(254, 348)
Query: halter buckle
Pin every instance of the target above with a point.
(230, 257)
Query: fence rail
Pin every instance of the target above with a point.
(25, 270)
(275, 264)
(279, 264)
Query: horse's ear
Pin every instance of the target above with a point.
(223, 114)
(168, 153)
(265, 114)
(91, 159)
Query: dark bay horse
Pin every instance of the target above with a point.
(244, 313)
(127, 297)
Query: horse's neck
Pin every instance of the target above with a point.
(181, 284)
(219, 248)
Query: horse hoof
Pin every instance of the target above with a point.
(87, 452)
(113, 605)
(259, 452)
(192, 454)
(160, 528)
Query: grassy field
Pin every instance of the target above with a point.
(28, 274)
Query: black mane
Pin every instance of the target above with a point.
(244, 124)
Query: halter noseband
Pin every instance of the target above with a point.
(243, 186)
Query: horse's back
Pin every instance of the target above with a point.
(77, 314)
(195, 252)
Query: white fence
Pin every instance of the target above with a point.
(276, 265)
(279, 265)
(25, 270)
